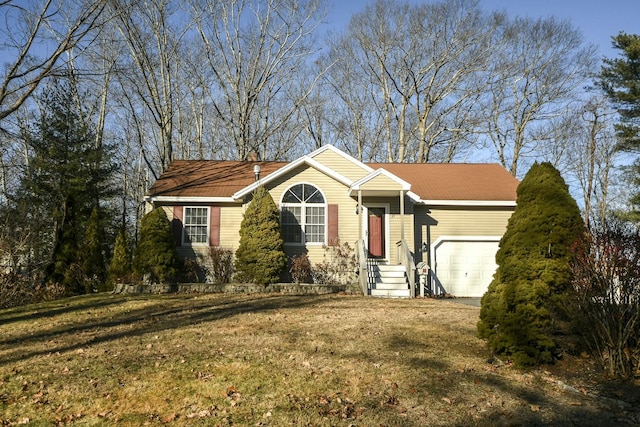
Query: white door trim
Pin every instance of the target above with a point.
(365, 226)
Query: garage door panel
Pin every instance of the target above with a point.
(466, 268)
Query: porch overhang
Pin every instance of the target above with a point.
(379, 183)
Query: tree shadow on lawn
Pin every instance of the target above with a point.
(165, 313)
(56, 307)
(534, 406)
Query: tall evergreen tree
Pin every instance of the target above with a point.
(67, 176)
(260, 256)
(522, 313)
(620, 80)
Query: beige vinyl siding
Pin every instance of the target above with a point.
(471, 221)
(341, 165)
(381, 182)
(230, 219)
(395, 225)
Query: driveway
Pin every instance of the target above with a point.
(468, 301)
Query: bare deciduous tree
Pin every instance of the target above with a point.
(606, 284)
(537, 69)
(422, 67)
(153, 31)
(60, 25)
(254, 51)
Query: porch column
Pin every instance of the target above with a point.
(401, 214)
(360, 238)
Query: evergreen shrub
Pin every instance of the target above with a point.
(522, 314)
(260, 256)
(120, 268)
(93, 255)
(155, 257)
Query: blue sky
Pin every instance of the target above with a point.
(597, 19)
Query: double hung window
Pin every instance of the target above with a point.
(196, 225)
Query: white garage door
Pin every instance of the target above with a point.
(465, 268)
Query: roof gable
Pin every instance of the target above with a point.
(380, 179)
(305, 160)
(340, 162)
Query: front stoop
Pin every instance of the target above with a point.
(389, 281)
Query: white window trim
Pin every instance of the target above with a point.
(185, 242)
(303, 215)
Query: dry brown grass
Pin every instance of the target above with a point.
(274, 360)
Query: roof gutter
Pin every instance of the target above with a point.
(189, 199)
(482, 203)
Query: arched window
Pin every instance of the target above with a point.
(303, 215)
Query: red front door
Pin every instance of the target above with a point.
(376, 233)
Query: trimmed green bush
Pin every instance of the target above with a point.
(260, 256)
(156, 256)
(522, 313)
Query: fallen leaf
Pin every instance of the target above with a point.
(170, 418)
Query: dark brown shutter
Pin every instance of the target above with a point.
(332, 233)
(214, 226)
(177, 224)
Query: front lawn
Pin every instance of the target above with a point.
(275, 360)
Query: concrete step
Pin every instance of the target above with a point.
(388, 285)
(391, 293)
(390, 273)
(389, 267)
(391, 280)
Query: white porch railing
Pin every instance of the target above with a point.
(363, 273)
(406, 259)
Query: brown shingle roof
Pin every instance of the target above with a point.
(430, 181)
(208, 178)
(455, 181)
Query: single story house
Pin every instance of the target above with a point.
(403, 220)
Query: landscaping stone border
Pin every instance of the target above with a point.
(238, 288)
